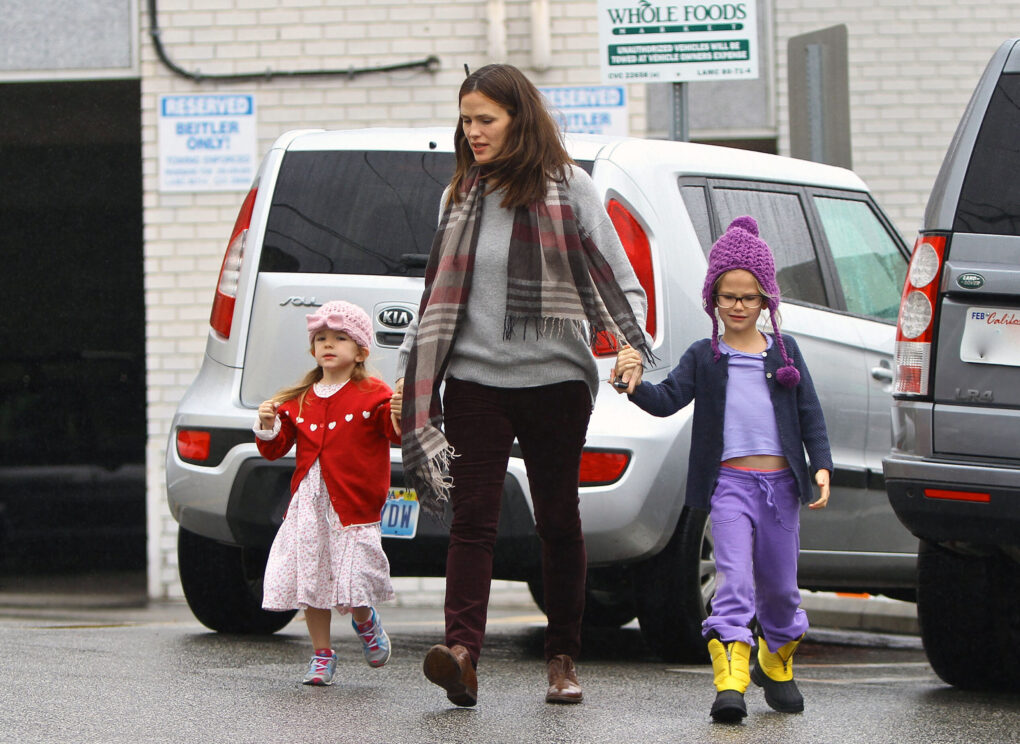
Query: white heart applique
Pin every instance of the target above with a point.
(300, 420)
(365, 414)
(348, 417)
(332, 424)
(313, 427)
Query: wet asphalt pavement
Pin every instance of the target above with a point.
(124, 672)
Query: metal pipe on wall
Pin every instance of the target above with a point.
(497, 30)
(541, 36)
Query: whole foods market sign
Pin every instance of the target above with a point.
(647, 42)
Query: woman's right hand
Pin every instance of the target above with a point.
(267, 414)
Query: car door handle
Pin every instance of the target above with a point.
(882, 374)
(389, 338)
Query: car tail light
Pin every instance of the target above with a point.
(916, 327)
(226, 286)
(639, 251)
(602, 467)
(939, 493)
(193, 445)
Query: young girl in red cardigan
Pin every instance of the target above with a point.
(328, 551)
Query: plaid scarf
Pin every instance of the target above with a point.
(556, 279)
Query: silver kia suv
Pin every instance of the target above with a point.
(953, 475)
(351, 215)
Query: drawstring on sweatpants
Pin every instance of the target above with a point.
(765, 484)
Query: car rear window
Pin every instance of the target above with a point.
(355, 212)
(990, 197)
(782, 224)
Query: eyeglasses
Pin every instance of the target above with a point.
(726, 301)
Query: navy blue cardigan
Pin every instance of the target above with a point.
(697, 376)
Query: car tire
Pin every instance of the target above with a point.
(223, 586)
(969, 613)
(607, 606)
(673, 590)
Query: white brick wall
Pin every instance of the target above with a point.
(185, 235)
(912, 67)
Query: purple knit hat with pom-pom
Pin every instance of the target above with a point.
(741, 248)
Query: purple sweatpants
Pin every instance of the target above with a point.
(755, 520)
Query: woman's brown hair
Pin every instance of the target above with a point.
(533, 150)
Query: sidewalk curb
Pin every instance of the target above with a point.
(862, 613)
(826, 610)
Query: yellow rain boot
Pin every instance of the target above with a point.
(730, 663)
(773, 672)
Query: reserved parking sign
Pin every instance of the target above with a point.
(207, 142)
(589, 109)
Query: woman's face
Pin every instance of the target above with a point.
(485, 124)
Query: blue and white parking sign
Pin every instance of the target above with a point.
(207, 142)
(589, 109)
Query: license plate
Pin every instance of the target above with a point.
(400, 514)
(991, 336)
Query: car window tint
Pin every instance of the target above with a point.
(783, 225)
(351, 212)
(696, 202)
(869, 264)
(990, 197)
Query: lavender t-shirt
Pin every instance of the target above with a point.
(749, 427)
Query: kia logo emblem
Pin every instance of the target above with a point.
(395, 317)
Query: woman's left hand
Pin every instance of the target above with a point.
(822, 479)
(627, 370)
(397, 404)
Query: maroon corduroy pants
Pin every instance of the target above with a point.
(549, 422)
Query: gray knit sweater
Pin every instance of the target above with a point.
(480, 353)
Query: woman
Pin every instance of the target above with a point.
(524, 270)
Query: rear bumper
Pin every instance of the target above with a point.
(261, 492)
(237, 497)
(242, 499)
(994, 520)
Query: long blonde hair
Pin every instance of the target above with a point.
(359, 374)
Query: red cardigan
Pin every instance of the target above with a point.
(349, 432)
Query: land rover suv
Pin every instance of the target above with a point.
(953, 475)
(351, 215)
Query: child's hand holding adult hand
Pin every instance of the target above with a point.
(396, 404)
(626, 375)
(822, 479)
(267, 414)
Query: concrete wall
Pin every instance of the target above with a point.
(912, 67)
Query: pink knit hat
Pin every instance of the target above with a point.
(338, 315)
(741, 248)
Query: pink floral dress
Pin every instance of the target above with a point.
(317, 562)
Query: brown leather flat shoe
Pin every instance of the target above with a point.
(451, 669)
(563, 684)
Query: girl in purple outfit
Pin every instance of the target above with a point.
(757, 413)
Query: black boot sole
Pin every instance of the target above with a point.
(783, 697)
(729, 707)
